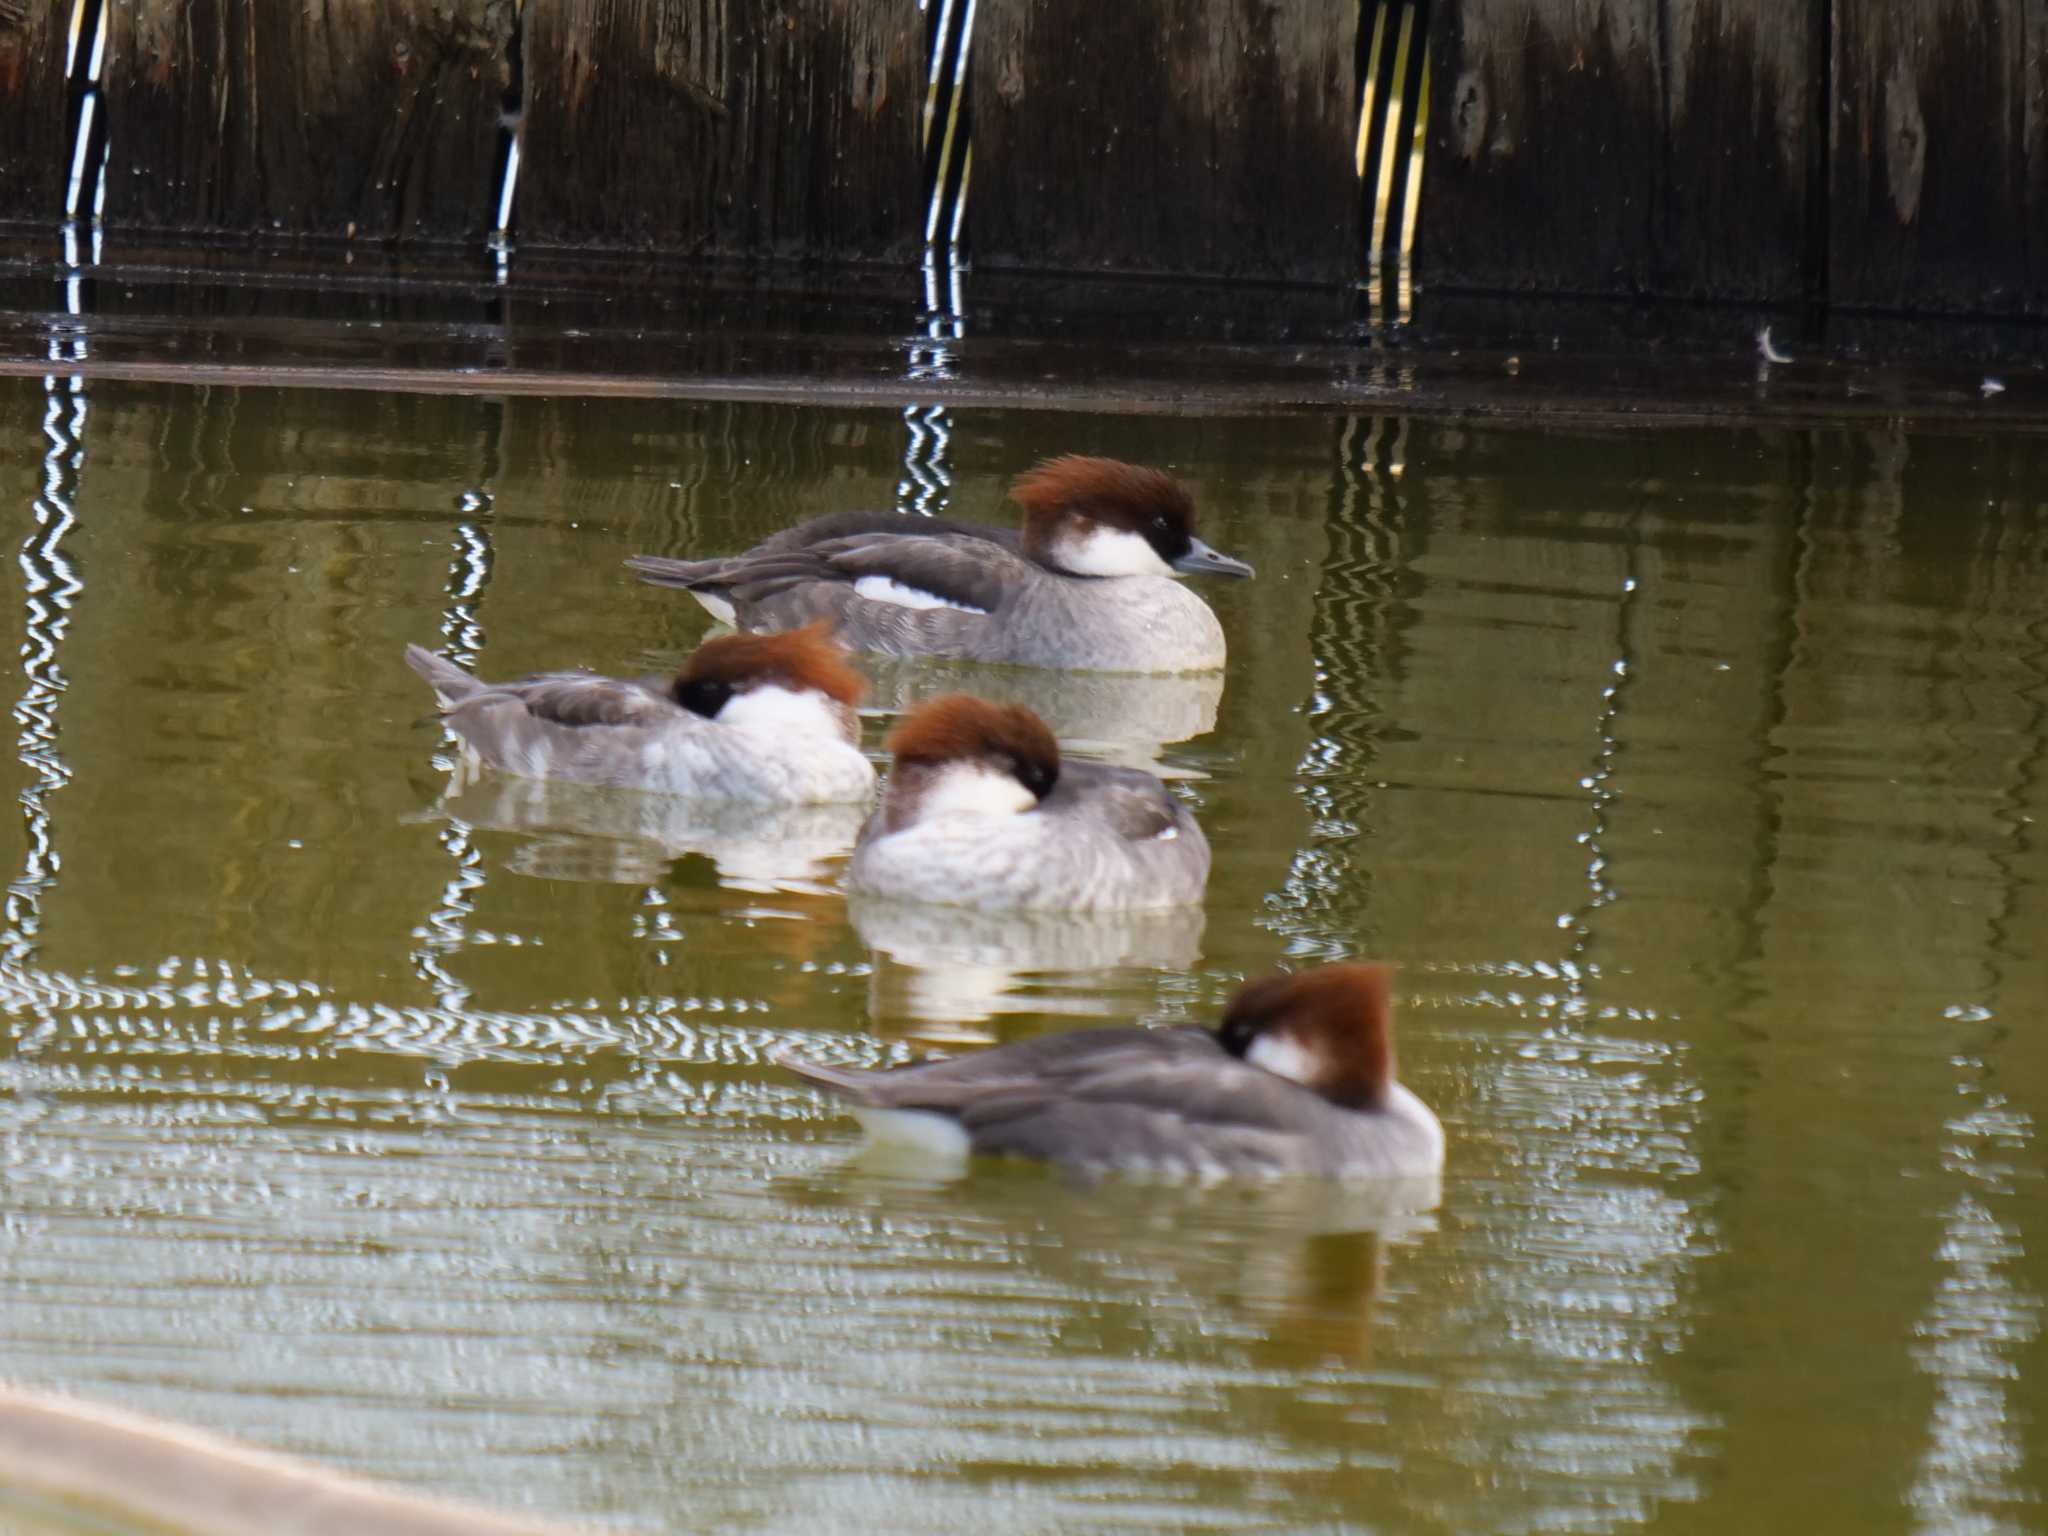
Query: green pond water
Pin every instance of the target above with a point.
(1692, 779)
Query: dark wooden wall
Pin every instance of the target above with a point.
(306, 116)
(1188, 136)
(34, 136)
(1939, 191)
(734, 126)
(1866, 154)
(1880, 154)
(1636, 146)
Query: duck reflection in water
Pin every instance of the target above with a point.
(621, 836)
(1286, 1274)
(947, 969)
(1118, 717)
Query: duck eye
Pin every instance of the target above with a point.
(704, 696)
(1033, 776)
(1162, 523)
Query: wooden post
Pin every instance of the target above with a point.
(1619, 147)
(723, 126)
(35, 139)
(1210, 137)
(324, 117)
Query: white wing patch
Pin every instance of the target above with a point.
(885, 589)
(720, 608)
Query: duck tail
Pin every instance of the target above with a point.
(450, 683)
(853, 1082)
(687, 574)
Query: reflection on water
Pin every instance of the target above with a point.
(1110, 716)
(947, 969)
(49, 586)
(586, 832)
(1693, 779)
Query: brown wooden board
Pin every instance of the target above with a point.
(306, 118)
(1210, 137)
(1939, 200)
(724, 126)
(35, 139)
(1655, 147)
(1740, 117)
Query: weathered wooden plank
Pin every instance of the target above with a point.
(1618, 147)
(1740, 113)
(1938, 170)
(34, 136)
(1199, 136)
(724, 126)
(307, 118)
(1541, 157)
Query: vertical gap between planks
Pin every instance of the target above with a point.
(511, 135)
(1393, 121)
(1820, 164)
(85, 57)
(946, 133)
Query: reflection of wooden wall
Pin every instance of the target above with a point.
(21, 483)
(231, 618)
(1500, 624)
(1826, 745)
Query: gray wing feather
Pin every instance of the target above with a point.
(1130, 802)
(1122, 1134)
(955, 1081)
(847, 525)
(959, 570)
(559, 698)
(1115, 1097)
(1192, 1108)
(956, 571)
(583, 698)
(805, 552)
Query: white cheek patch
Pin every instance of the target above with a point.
(970, 789)
(1283, 1056)
(1109, 552)
(774, 708)
(884, 589)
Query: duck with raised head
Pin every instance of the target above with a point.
(766, 719)
(1297, 1079)
(1087, 582)
(981, 811)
